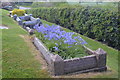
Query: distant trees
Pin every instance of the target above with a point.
(3, 4)
(48, 4)
(99, 1)
(24, 3)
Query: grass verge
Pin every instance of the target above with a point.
(17, 59)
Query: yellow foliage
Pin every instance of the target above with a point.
(19, 12)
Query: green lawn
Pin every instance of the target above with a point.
(0, 52)
(112, 54)
(18, 60)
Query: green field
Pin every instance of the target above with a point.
(18, 59)
(20, 62)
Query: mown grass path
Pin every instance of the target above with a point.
(19, 59)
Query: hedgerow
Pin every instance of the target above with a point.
(96, 23)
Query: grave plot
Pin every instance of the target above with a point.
(66, 53)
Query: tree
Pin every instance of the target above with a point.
(99, 1)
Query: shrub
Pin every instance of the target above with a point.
(19, 12)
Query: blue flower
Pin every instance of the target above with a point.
(69, 46)
(84, 42)
(56, 44)
(55, 32)
(56, 48)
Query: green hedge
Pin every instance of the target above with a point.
(96, 23)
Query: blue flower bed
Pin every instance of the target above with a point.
(58, 41)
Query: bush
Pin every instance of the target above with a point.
(96, 23)
(19, 12)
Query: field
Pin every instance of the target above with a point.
(19, 55)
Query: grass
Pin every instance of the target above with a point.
(0, 54)
(18, 60)
(112, 54)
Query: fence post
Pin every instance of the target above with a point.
(57, 65)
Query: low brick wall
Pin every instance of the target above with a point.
(58, 66)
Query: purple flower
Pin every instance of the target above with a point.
(84, 42)
(55, 32)
(69, 46)
(56, 44)
(56, 48)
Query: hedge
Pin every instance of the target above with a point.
(96, 23)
